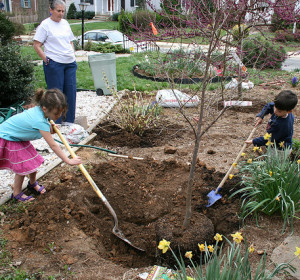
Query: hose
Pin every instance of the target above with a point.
(88, 146)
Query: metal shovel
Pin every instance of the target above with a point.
(116, 231)
(214, 196)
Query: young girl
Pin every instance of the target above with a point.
(18, 154)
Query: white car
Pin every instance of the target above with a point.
(116, 38)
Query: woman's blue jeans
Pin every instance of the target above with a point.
(63, 76)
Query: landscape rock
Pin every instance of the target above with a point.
(284, 253)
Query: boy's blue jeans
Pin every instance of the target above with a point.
(63, 76)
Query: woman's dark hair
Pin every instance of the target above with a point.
(51, 99)
(286, 100)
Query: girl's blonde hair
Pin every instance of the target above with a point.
(51, 99)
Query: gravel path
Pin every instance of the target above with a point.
(89, 104)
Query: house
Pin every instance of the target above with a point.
(26, 11)
(109, 7)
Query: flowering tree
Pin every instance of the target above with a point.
(216, 30)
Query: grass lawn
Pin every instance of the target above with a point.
(125, 78)
(76, 28)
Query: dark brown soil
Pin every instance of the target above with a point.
(70, 227)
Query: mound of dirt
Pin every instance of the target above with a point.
(140, 192)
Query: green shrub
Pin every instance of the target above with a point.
(87, 15)
(262, 54)
(115, 16)
(19, 28)
(108, 48)
(7, 29)
(72, 11)
(16, 76)
(270, 184)
(125, 22)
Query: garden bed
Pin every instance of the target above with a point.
(68, 232)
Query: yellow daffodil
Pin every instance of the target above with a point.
(267, 136)
(164, 245)
(234, 164)
(277, 198)
(243, 154)
(255, 148)
(189, 254)
(237, 237)
(249, 160)
(201, 247)
(298, 161)
(260, 150)
(218, 237)
(271, 173)
(231, 176)
(297, 253)
(210, 248)
(251, 249)
(281, 144)
(268, 143)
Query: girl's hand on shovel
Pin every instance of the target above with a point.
(74, 161)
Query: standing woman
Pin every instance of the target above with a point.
(58, 55)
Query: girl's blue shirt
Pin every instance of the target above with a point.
(25, 126)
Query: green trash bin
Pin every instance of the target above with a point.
(103, 68)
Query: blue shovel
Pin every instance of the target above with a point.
(214, 196)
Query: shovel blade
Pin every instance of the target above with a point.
(212, 198)
(120, 234)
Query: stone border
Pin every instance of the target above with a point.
(177, 80)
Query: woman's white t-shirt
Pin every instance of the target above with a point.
(56, 37)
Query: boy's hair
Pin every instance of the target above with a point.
(286, 100)
(51, 99)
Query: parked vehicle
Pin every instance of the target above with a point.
(115, 37)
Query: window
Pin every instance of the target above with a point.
(132, 3)
(91, 36)
(90, 1)
(26, 4)
(102, 37)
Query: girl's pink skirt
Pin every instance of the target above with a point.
(19, 157)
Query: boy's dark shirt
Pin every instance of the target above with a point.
(281, 129)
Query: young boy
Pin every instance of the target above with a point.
(280, 126)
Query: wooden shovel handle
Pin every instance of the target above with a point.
(235, 161)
